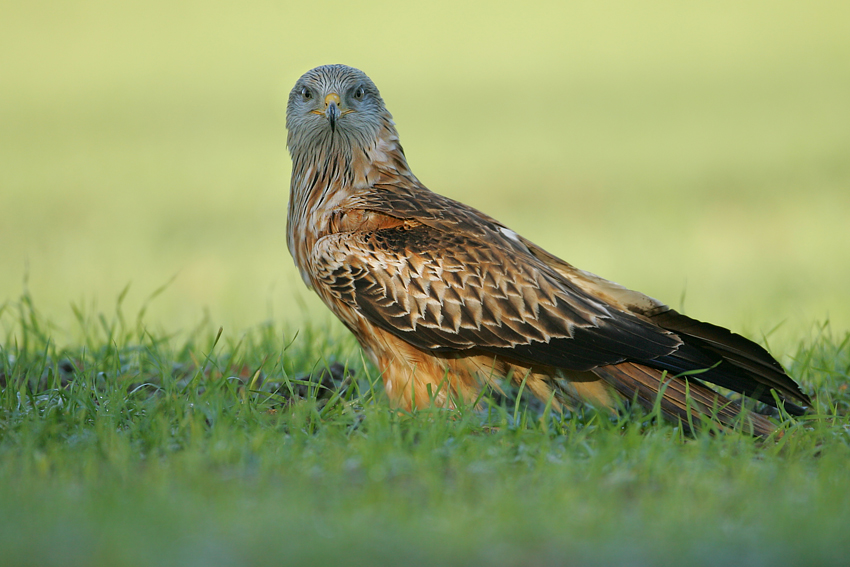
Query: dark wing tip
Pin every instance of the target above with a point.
(745, 366)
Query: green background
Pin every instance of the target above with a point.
(696, 150)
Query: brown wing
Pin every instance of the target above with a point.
(453, 290)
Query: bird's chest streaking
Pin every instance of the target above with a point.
(326, 183)
(310, 216)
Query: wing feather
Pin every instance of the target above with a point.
(499, 301)
(744, 366)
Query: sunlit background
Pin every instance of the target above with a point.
(699, 152)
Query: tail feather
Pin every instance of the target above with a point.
(683, 399)
(746, 367)
(753, 371)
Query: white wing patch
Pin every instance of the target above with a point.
(509, 233)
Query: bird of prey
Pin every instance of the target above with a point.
(446, 300)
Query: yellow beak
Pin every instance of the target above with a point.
(331, 97)
(331, 110)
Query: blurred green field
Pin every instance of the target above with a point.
(131, 449)
(685, 149)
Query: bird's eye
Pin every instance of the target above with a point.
(358, 93)
(306, 94)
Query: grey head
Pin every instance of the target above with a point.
(334, 105)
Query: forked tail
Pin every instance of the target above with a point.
(685, 400)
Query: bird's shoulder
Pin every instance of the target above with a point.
(414, 203)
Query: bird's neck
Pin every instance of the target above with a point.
(342, 162)
(330, 174)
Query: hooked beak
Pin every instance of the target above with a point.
(332, 112)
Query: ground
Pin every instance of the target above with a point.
(272, 448)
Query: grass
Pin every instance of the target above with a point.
(275, 448)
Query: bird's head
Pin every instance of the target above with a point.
(334, 104)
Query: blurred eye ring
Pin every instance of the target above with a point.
(359, 92)
(306, 94)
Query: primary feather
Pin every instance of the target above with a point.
(445, 299)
